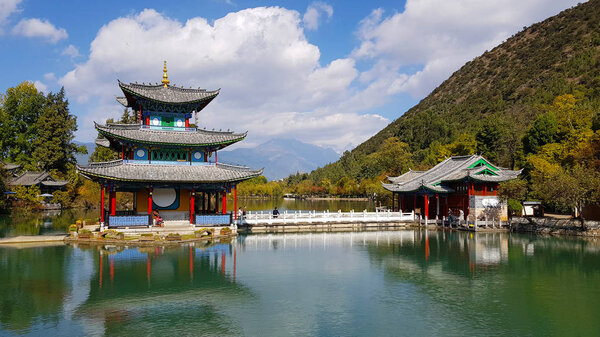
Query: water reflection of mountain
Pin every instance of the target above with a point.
(146, 287)
(487, 282)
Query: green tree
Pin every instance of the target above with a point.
(490, 139)
(20, 109)
(543, 131)
(464, 145)
(53, 147)
(393, 158)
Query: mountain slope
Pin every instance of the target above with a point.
(504, 89)
(281, 157)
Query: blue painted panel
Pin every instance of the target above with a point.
(213, 220)
(197, 156)
(140, 154)
(155, 120)
(127, 220)
(179, 122)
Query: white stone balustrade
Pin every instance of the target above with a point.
(300, 217)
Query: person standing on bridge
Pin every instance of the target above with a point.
(275, 213)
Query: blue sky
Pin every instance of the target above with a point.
(330, 73)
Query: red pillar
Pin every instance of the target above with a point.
(215, 157)
(187, 123)
(235, 208)
(445, 205)
(192, 205)
(150, 200)
(426, 207)
(113, 202)
(223, 263)
(468, 198)
(140, 113)
(148, 120)
(485, 189)
(224, 201)
(437, 206)
(148, 267)
(102, 204)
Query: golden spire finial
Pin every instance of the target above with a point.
(165, 79)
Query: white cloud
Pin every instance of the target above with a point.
(7, 7)
(50, 77)
(71, 51)
(39, 28)
(40, 86)
(439, 36)
(313, 14)
(271, 79)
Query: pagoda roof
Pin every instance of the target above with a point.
(474, 167)
(35, 178)
(169, 94)
(197, 138)
(138, 172)
(9, 166)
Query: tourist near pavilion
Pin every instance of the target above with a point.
(168, 165)
(461, 184)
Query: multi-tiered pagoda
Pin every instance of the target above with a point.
(167, 164)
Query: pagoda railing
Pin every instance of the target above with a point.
(214, 219)
(169, 128)
(115, 221)
(167, 162)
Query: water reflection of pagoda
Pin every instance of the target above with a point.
(165, 162)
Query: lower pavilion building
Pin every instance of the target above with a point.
(461, 186)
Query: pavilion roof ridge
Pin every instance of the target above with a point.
(159, 86)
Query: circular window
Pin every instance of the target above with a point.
(197, 155)
(164, 197)
(179, 123)
(155, 121)
(140, 153)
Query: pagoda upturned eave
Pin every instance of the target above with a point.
(161, 94)
(119, 170)
(133, 133)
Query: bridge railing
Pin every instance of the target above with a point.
(267, 217)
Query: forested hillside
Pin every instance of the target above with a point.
(539, 87)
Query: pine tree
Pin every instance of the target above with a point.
(54, 148)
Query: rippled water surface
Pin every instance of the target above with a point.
(325, 284)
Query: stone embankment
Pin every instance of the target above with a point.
(553, 226)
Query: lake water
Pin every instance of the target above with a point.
(53, 222)
(320, 284)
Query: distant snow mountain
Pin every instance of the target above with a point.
(280, 157)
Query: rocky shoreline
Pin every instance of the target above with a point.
(553, 226)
